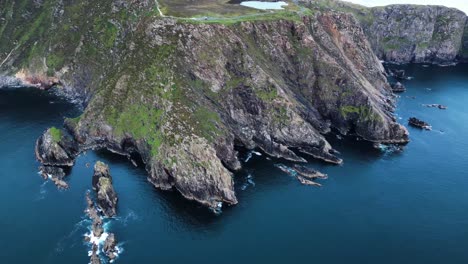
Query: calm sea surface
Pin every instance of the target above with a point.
(379, 207)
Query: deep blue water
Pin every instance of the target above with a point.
(402, 207)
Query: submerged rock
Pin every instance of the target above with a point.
(442, 107)
(308, 182)
(398, 87)
(102, 184)
(419, 123)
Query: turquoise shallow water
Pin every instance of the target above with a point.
(401, 207)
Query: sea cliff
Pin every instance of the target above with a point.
(410, 33)
(183, 94)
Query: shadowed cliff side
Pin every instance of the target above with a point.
(182, 93)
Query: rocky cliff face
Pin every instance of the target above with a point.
(409, 33)
(182, 93)
(421, 34)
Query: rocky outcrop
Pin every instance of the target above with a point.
(56, 148)
(94, 259)
(110, 247)
(309, 173)
(93, 214)
(441, 107)
(56, 174)
(398, 87)
(413, 121)
(102, 184)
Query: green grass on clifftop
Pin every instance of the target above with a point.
(56, 134)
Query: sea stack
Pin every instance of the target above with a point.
(56, 150)
(102, 184)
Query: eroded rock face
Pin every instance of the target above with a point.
(421, 34)
(102, 184)
(56, 148)
(182, 95)
(276, 85)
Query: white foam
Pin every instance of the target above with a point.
(97, 240)
(249, 156)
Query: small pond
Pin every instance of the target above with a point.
(261, 5)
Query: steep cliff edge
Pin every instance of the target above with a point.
(420, 34)
(182, 93)
(410, 33)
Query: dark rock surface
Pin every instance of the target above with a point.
(441, 107)
(409, 33)
(94, 255)
(56, 174)
(309, 173)
(398, 74)
(398, 87)
(420, 34)
(56, 148)
(102, 184)
(419, 123)
(110, 247)
(305, 181)
(93, 214)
